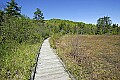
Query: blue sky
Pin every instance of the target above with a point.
(87, 11)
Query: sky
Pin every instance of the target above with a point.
(88, 11)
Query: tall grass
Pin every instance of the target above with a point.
(17, 63)
(90, 57)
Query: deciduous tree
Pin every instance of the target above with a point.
(104, 24)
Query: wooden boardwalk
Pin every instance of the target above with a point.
(49, 66)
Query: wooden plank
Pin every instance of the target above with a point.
(49, 66)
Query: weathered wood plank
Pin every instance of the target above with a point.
(49, 67)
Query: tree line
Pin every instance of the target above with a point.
(104, 26)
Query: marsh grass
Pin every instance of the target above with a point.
(91, 57)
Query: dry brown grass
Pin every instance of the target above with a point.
(91, 57)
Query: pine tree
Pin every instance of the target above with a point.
(1, 16)
(12, 9)
(2, 13)
(38, 15)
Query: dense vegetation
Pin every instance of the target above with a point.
(66, 26)
(21, 37)
(20, 40)
(90, 57)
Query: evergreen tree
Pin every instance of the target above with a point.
(1, 16)
(2, 13)
(38, 15)
(12, 9)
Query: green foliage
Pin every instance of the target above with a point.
(20, 40)
(70, 27)
(17, 60)
(1, 16)
(12, 9)
(105, 21)
(53, 40)
(38, 15)
(104, 24)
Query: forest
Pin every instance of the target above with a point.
(21, 37)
